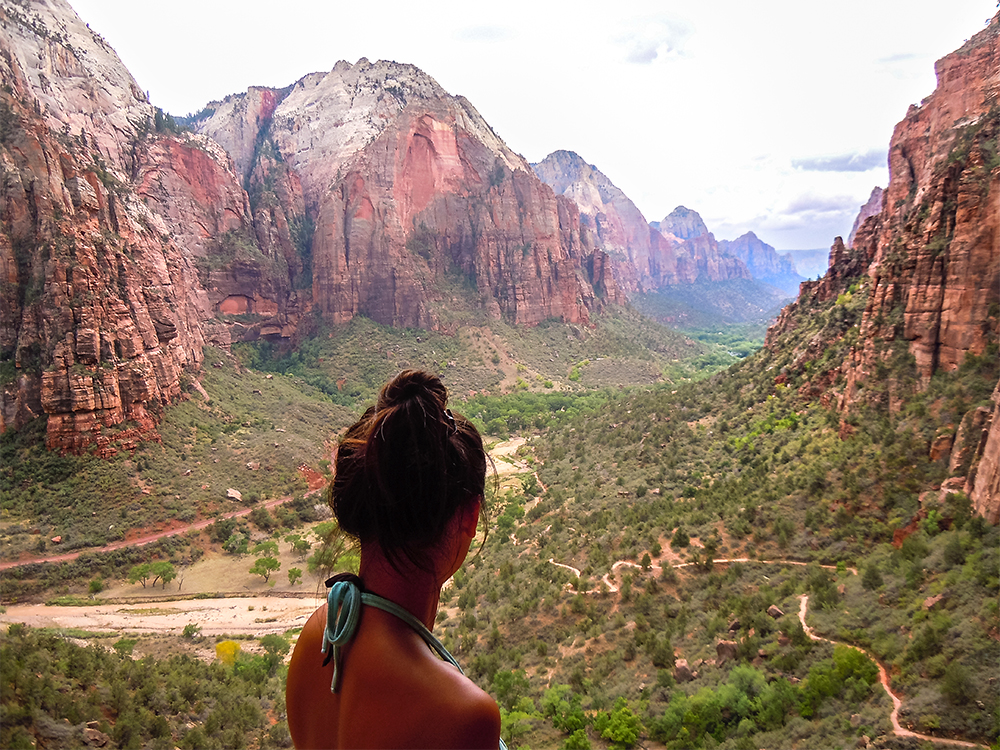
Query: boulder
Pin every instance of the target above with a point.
(724, 651)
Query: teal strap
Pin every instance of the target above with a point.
(343, 611)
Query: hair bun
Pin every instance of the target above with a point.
(413, 384)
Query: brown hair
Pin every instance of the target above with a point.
(405, 467)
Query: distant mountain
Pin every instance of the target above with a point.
(764, 262)
(682, 223)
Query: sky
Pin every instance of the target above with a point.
(771, 117)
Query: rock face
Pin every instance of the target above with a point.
(763, 262)
(682, 223)
(931, 255)
(871, 208)
(407, 186)
(98, 319)
(620, 226)
(128, 243)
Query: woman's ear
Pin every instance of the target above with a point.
(469, 518)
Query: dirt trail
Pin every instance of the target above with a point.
(884, 679)
(656, 568)
(146, 538)
(803, 604)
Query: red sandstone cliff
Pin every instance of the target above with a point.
(97, 318)
(128, 244)
(407, 187)
(620, 226)
(931, 255)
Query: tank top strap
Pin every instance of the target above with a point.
(343, 611)
(392, 608)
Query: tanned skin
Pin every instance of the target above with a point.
(394, 692)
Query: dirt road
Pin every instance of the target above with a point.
(145, 538)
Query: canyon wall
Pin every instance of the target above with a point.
(130, 242)
(931, 254)
(98, 316)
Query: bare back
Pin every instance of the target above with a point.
(394, 693)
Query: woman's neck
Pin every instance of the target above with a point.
(415, 590)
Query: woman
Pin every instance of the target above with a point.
(408, 486)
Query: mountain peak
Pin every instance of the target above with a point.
(684, 223)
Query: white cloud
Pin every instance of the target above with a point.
(855, 162)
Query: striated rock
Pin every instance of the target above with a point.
(682, 223)
(983, 484)
(73, 79)
(128, 247)
(96, 314)
(775, 612)
(426, 199)
(620, 226)
(872, 207)
(929, 261)
(934, 250)
(969, 440)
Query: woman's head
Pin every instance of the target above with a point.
(405, 468)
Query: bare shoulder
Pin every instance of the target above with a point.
(307, 689)
(467, 716)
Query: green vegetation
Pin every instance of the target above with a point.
(712, 305)
(252, 434)
(52, 685)
(643, 455)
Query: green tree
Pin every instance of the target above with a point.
(872, 579)
(140, 573)
(956, 685)
(163, 571)
(264, 566)
(577, 741)
(267, 547)
(509, 687)
(621, 727)
(294, 574)
(236, 544)
(564, 707)
(680, 538)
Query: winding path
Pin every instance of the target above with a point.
(897, 729)
(884, 679)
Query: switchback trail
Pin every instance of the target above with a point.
(884, 679)
(897, 729)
